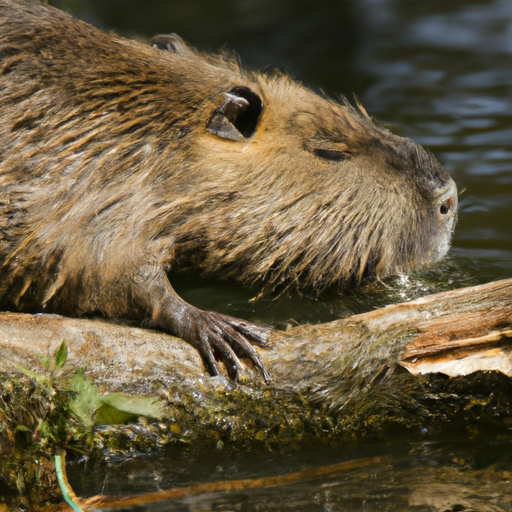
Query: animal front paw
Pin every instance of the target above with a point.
(225, 338)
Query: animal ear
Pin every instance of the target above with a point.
(171, 43)
(237, 117)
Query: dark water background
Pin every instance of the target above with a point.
(438, 71)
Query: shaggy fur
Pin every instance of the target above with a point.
(108, 176)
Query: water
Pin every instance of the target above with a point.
(439, 72)
(445, 475)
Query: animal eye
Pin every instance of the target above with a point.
(446, 206)
(238, 115)
(330, 154)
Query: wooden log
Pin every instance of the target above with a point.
(358, 360)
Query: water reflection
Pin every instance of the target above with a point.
(418, 476)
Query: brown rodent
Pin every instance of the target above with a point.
(119, 159)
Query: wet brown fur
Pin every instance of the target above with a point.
(108, 178)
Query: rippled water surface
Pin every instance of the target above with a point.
(437, 71)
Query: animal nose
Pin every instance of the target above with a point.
(446, 202)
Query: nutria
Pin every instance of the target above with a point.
(121, 159)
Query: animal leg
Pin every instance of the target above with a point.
(215, 335)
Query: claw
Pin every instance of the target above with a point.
(205, 349)
(236, 339)
(231, 362)
(258, 333)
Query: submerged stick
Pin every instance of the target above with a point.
(109, 503)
